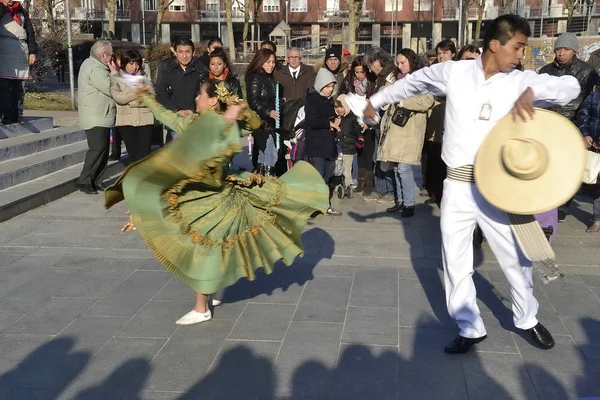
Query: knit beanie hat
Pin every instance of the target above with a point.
(567, 40)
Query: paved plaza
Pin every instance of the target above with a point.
(87, 313)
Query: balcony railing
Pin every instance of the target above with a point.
(213, 16)
(450, 13)
(123, 14)
(557, 11)
(327, 15)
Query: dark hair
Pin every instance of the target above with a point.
(504, 28)
(413, 59)
(376, 53)
(471, 48)
(446, 45)
(131, 55)
(220, 53)
(347, 85)
(256, 65)
(183, 42)
(270, 43)
(214, 40)
(210, 86)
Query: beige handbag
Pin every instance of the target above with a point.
(592, 167)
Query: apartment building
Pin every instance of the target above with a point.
(315, 23)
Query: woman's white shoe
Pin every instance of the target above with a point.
(216, 302)
(194, 317)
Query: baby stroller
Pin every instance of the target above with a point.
(343, 189)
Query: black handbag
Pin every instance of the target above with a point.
(401, 116)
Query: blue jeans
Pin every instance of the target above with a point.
(405, 184)
(384, 180)
(597, 209)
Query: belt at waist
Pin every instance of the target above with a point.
(527, 231)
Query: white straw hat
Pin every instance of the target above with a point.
(531, 167)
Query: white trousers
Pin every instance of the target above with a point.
(462, 208)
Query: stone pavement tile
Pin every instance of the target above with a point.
(130, 240)
(586, 332)
(367, 325)
(572, 297)
(40, 364)
(16, 275)
(263, 322)
(29, 394)
(35, 292)
(492, 297)
(592, 281)
(64, 240)
(306, 363)
(398, 245)
(186, 357)
(248, 364)
(497, 376)
(92, 333)
(333, 270)
(425, 370)
(17, 227)
(421, 273)
(174, 290)
(313, 240)
(7, 320)
(575, 255)
(96, 282)
(230, 311)
(366, 372)
(31, 261)
(82, 261)
(80, 228)
(500, 337)
(155, 320)
(375, 287)
(15, 349)
(287, 294)
(565, 357)
(143, 264)
(131, 294)
(553, 385)
(51, 318)
(432, 251)
(119, 371)
(324, 300)
(423, 298)
(349, 243)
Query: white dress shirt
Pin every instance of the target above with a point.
(466, 90)
(296, 70)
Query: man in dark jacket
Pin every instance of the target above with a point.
(18, 52)
(567, 63)
(295, 77)
(333, 63)
(181, 82)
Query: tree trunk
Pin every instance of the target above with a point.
(162, 7)
(507, 8)
(229, 19)
(110, 4)
(48, 6)
(480, 11)
(465, 22)
(354, 8)
(246, 19)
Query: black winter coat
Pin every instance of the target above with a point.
(585, 74)
(177, 89)
(319, 139)
(234, 84)
(260, 89)
(348, 135)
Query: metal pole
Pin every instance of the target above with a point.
(143, 22)
(392, 36)
(418, 24)
(460, 23)
(432, 24)
(219, 18)
(70, 52)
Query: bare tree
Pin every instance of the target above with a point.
(229, 19)
(570, 5)
(48, 7)
(255, 10)
(244, 5)
(161, 7)
(480, 11)
(111, 5)
(354, 11)
(506, 6)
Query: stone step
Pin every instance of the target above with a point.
(34, 125)
(25, 145)
(23, 169)
(35, 193)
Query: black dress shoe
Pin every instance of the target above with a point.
(396, 207)
(407, 212)
(541, 336)
(99, 187)
(114, 157)
(461, 344)
(87, 189)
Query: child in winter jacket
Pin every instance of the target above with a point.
(349, 138)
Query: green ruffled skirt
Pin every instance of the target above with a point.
(207, 227)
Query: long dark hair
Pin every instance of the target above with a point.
(413, 59)
(220, 53)
(131, 55)
(348, 82)
(256, 65)
(471, 48)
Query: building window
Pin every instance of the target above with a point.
(177, 6)
(333, 5)
(271, 6)
(393, 5)
(212, 5)
(424, 6)
(299, 6)
(87, 4)
(149, 5)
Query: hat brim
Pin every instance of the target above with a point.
(562, 178)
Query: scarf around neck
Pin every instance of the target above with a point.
(15, 10)
(360, 87)
(223, 77)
